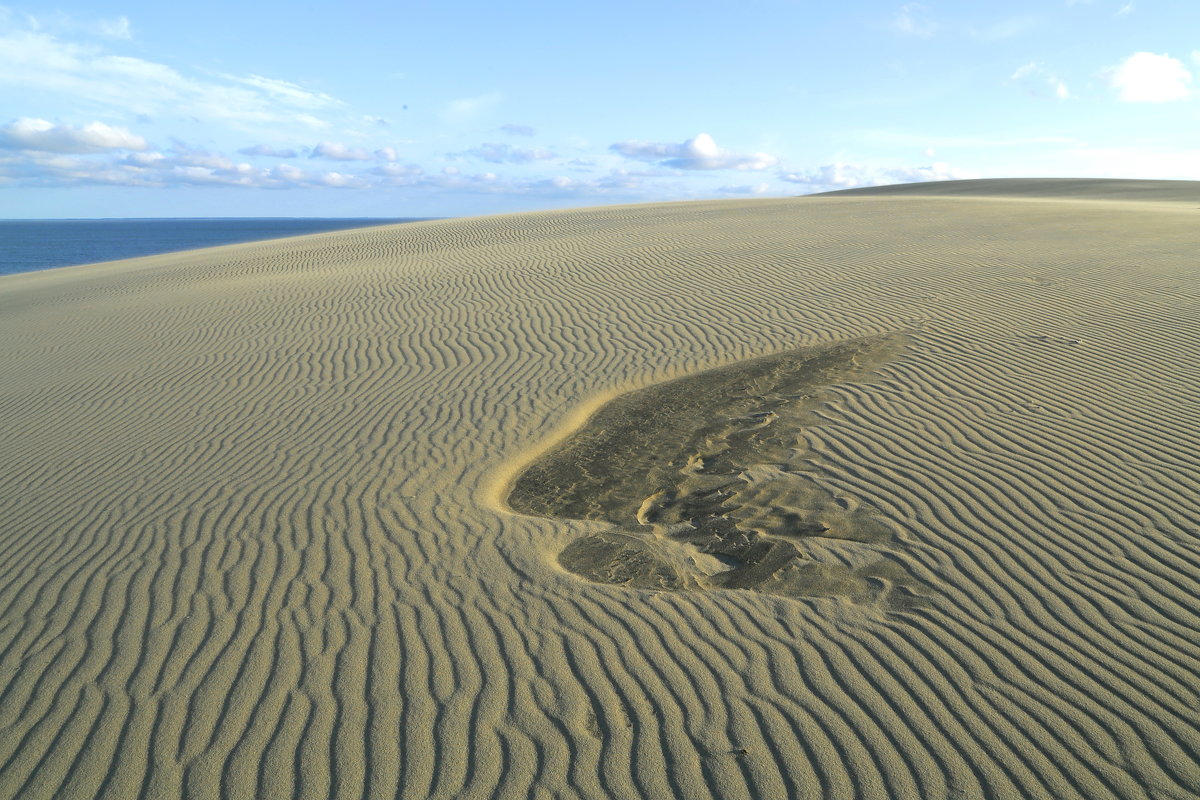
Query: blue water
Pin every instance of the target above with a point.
(27, 245)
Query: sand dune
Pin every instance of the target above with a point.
(1106, 189)
(256, 536)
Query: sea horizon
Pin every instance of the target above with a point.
(33, 244)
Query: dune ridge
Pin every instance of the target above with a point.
(250, 543)
(1108, 190)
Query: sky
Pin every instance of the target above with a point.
(428, 108)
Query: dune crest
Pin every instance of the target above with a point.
(1107, 190)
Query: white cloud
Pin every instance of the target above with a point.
(843, 175)
(184, 166)
(937, 171)
(286, 172)
(138, 169)
(504, 153)
(334, 151)
(34, 61)
(615, 184)
(913, 20)
(145, 160)
(181, 165)
(61, 22)
(290, 94)
(184, 160)
(339, 180)
(398, 173)
(1150, 78)
(39, 134)
(517, 130)
(164, 170)
(699, 152)
(1036, 81)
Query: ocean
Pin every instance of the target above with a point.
(27, 245)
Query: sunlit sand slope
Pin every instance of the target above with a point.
(258, 537)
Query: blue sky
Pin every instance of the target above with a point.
(138, 108)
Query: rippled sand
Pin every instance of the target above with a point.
(262, 530)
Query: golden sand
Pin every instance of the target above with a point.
(254, 537)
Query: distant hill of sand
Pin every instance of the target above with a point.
(890, 493)
(1040, 188)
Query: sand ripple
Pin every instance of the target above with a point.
(252, 540)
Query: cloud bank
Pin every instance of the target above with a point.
(182, 165)
(507, 154)
(39, 134)
(843, 175)
(699, 153)
(34, 60)
(334, 151)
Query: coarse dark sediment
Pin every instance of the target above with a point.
(704, 479)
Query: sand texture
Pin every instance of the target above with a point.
(852, 496)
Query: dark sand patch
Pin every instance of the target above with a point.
(703, 477)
